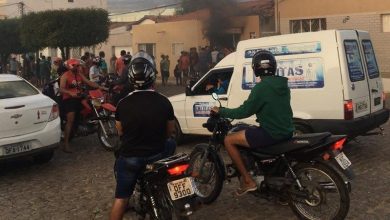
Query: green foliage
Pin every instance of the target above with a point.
(9, 36)
(65, 28)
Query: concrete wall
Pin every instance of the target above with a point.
(42, 5)
(344, 14)
(164, 35)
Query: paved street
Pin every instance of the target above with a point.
(81, 185)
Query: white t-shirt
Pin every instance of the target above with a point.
(94, 73)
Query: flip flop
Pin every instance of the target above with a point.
(241, 192)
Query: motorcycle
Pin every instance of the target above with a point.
(309, 172)
(100, 118)
(166, 190)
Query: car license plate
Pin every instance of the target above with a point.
(180, 188)
(17, 148)
(343, 160)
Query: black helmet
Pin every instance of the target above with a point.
(142, 71)
(264, 63)
(126, 59)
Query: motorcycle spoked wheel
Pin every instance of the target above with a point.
(110, 143)
(325, 194)
(209, 182)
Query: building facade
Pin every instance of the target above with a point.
(313, 15)
(14, 9)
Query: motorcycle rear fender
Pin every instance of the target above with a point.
(347, 175)
(215, 156)
(307, 154)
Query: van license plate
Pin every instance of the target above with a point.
(180, 188)
(343, 160)
(17, 148)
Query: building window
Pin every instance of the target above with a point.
(386, 23)
(70, 0)
(148, 48)
(307, 25)
(177, 48)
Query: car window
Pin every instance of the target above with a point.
(216, 81)
(14, 89)
(354, 60)
(372, 66)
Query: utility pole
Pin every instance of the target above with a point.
(21, 8)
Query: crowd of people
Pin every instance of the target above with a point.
(192, 65)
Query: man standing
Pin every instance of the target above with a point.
(164, 68)
(13, 65)
(144, 120)
(119, 65)
(103, 63)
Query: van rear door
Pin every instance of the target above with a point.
(371, 66)
(355, 83)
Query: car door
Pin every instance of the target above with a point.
(199, 103)
(354, 76)
(374, 80)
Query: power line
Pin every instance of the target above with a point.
(146, 9)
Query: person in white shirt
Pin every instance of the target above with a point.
(94, 71)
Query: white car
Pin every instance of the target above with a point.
(29, 121)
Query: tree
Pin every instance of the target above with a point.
(65, 29)
(9, 38)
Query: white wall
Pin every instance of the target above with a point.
(42, 5)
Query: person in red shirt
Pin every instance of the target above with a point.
(184, 65)
(119, 64)
(70, 88)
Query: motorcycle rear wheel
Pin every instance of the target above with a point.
(327, 196)
(110, 143)
(209, 182)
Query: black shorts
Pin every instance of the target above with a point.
(258, 137)
(71, 105)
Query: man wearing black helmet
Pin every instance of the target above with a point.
(122, 86)
(144, 119)
(269, 100)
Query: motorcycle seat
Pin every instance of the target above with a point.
(295, 143)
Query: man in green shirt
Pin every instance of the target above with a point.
(270, 101)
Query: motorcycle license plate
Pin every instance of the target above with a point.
(180, 188)
(343, 160)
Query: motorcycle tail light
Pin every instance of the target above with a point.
(338, 145)
(178, 170)
(54, 112)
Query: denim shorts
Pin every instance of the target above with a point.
(128, 169)
(258, 137)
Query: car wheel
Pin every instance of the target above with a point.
(43, 157)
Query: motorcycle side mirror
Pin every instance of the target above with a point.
(189, 91)
(216, 98)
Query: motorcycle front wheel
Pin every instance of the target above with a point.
(110, 142)
(208, 178)
(324, 195)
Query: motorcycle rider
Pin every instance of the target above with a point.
(122, 86)
(70, 88)
(144, 120)
(270, 101)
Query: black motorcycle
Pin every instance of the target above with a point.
(166, 190)
(309, 172)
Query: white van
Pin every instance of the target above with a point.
(333, 76)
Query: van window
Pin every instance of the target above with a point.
(216, 81)
(354, 60)
(372, 66)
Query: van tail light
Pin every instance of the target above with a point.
(338, 145)
(384, 99)
(55, 112)
(178, 170)
(348, 110)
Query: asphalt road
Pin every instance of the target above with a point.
(81, 185)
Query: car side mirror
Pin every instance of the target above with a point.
(189, 91)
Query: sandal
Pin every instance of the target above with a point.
(242, 191)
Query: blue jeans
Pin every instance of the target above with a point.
(128, 169)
